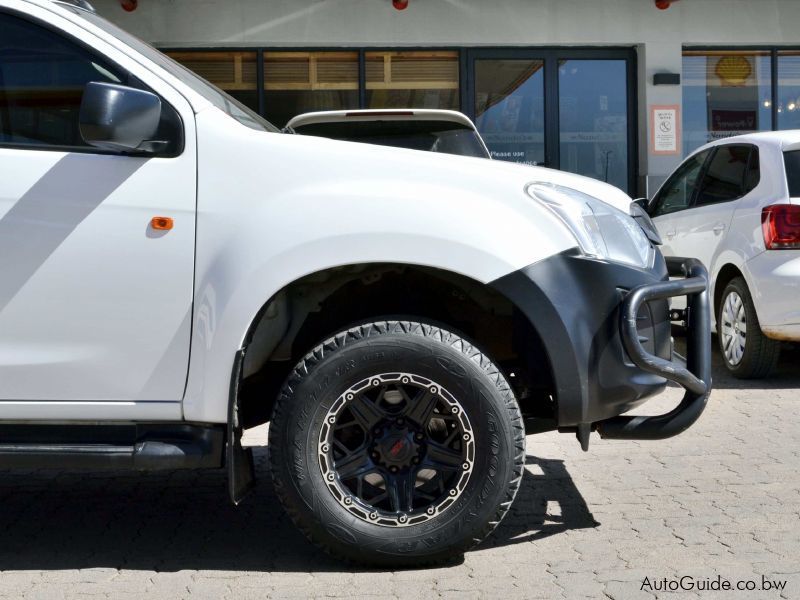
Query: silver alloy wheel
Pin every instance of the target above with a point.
(396, 449)
(733, 328)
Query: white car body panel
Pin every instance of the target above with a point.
(402, 206)
(99, 327)
(82, 270)
(772, 276)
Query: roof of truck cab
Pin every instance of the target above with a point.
(397, 114)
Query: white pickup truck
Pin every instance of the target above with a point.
(173, 270)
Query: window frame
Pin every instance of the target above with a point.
(88, 149)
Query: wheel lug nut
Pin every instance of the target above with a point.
(454, 410)
(402, 518)
(430, 510)
(465, 437)
(419, 437)
(373, 516)
(331, 420)
(348, 500)
(465, 466)
(331, 476)
(393, 469)
(325, 447)
(376, 382)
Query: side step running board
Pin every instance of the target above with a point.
(139, 447)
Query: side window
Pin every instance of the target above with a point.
(724, 178)
(753, 175)
(42, 77)
(677, 192)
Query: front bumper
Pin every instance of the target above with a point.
(607, 333)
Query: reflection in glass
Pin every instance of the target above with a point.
(509, 108)
(301, 82)
(593, 119)
(233, 72)
(789, 89)
(424, 79)
(725, 93)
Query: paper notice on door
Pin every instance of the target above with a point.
(664, 130)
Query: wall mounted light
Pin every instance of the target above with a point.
(129, 5)
(667, 79)
(664, 4)
(400, 4)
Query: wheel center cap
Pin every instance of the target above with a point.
(396, 447)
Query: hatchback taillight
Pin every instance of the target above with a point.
(780, 224)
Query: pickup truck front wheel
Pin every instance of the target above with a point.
(396, 443)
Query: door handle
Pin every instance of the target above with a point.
(718, 228)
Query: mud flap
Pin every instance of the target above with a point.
(238, 460)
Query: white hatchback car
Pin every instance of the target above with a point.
(735, 205)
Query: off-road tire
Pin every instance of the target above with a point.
(325, 374)
(761, 353)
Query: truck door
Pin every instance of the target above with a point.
(95, 302)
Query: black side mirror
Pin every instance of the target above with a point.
(120, 118)
(640, 215)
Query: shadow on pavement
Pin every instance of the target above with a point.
(548, 503)
(182, 520)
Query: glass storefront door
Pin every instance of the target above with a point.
(593, 119)
(567, 109)
(509, 108)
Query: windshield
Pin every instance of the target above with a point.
(213, 94)
(431, 136)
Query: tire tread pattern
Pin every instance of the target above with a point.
(379, 328)
(761, 353)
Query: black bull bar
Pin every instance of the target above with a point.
(694, 377)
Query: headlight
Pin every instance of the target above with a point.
(601, 230)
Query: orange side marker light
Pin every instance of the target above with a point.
(162, 223)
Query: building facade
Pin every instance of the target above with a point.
(619, 90)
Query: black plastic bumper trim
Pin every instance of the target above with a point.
(695, 377)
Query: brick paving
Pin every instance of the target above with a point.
(722, 499)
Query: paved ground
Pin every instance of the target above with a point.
(723, 499)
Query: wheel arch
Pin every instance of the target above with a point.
(317, 305)
(726, 274)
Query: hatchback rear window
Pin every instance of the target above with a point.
(792, 161)
(432, 136)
